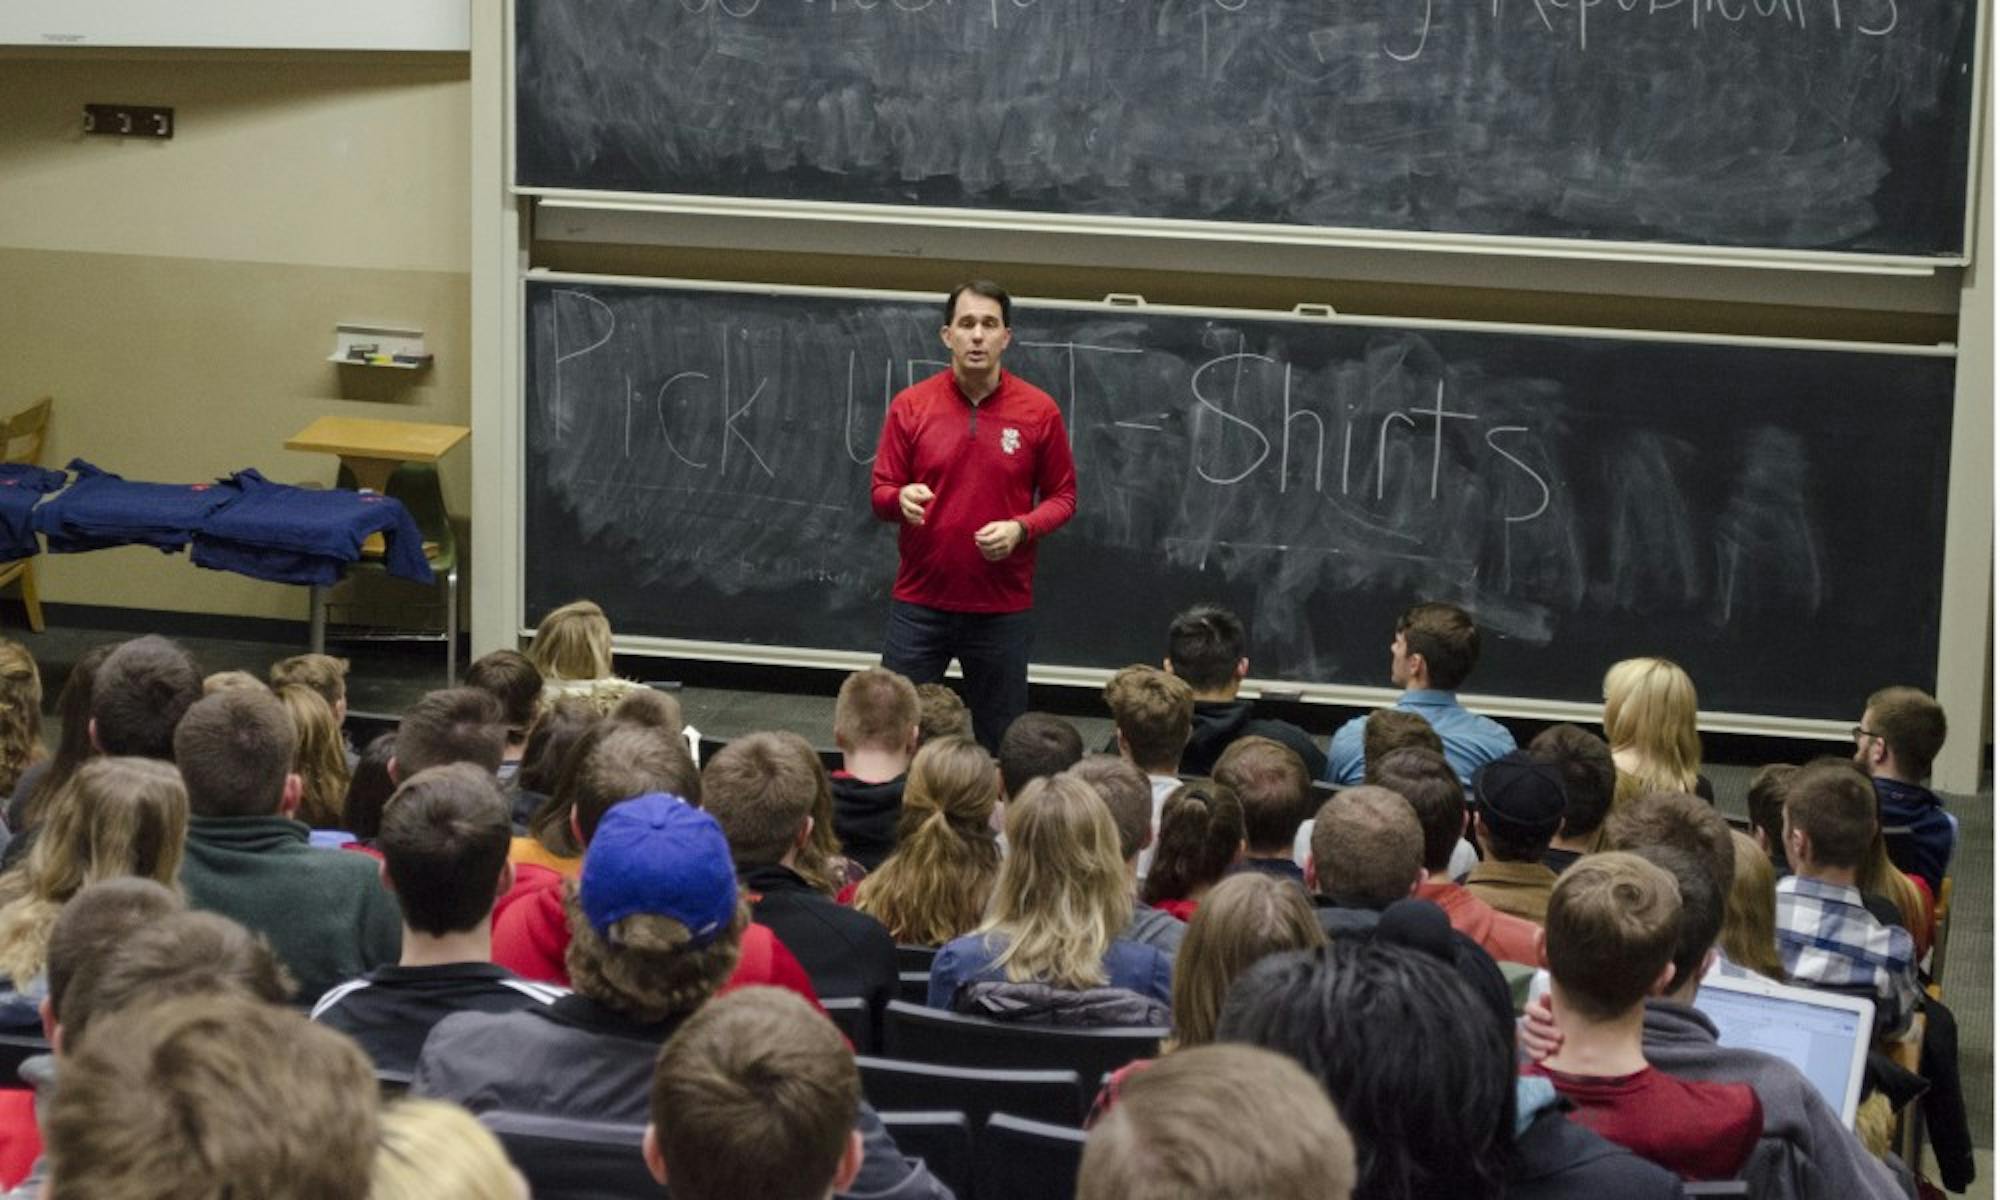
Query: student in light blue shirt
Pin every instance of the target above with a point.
(1435, 648)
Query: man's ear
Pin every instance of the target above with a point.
(804, 834)
(1312, 873)
(51, 1032)
(910, 743)
(1663, 983)
(382, 873)
(295, 791)
(1542, 948)
(1242, 669)
(1167, 665)
(575, 826)
(850, 1163)
(395, 772)
(94, 743)
(1423, 877)
(649, 1147)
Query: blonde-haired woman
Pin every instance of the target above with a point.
(321, 758)
(431, 1150)
(1649, 712)
(572, 650)
(1750, 913)
(1058, 905)
(1244, 918)
(20, 714)
(934, 887)
(115, 817)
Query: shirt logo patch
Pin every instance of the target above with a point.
(1010, 439)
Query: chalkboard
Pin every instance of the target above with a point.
(1772, 517)
(1796, 125)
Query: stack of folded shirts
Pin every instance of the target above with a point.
(304, 535)
(21, 488)
(101, 510)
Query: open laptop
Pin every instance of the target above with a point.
(1824, 1034)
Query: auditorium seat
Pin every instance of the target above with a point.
(914, 1033)
(978, 1092)
(567, 1159)
(943, 1140)
(1021, 1159)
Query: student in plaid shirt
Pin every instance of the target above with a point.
(1826, 936)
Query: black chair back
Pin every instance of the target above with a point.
(913, 1033)
(392, 1084)
(1028, 1160)
(566, 1159)
(15, 1049)
(978, 1092)
(915, 958)
(913, 987)
(1723, 1187)
(851, 1014)
(705, 748)
(943, 1140)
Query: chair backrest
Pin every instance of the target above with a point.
(851, 1014)
(943, 1140)
(913, 987)
(1028, 1159)
(915, 958)
(567, 1159)
(707, 748)
(1723, 1187)
(917, 1034)
(978, 1092)
(25, 432)
(417, 487)
(15, 1049)
(392, 1084)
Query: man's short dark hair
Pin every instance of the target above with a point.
(1701, 908)
(1834, 805)
(980, 287)
(180, 954)
(444, 837)
(1589, 776)
(514, 682)
(1035, 745)
(1367, 847)
(463, 724)
(234, 750)
(1388, 730)
(1413, 1058)
(1766, 802)
(1912, 722)
(1204, 644)
(1127, 793)
(1426, 780)
(1685, 822)
(139, 696)
(95, 922)
(1271, 782)
(762, 794)
(1445, 635)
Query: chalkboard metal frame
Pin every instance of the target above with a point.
(833, 217)
(1716, 721)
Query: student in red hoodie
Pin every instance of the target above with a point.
(1614, 923)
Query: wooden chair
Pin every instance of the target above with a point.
(24, 434)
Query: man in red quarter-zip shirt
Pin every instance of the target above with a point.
(975, 463)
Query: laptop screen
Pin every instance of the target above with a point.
(1818, 1038)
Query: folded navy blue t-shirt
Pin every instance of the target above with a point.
(295, 524)
(21, 488)
(100, 509)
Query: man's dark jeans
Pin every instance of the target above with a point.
(991, 648)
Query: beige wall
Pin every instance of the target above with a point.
(178, 298)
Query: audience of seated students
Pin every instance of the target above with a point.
(444, 854)
(517, 685)
(1201, 840)
(760, 789)
(431, 1150)
(1061, 901)
(1614, 924)
(940, 713)
(326, 675)
(875, 727)
(116, 817)
(1153, 713)
(20, 714)
(755, 1095)
(1826, 934)
(327, 914)
(1276, 793)
(279, 1109)
(1215, 1123)
(572, 650)
(1435, 648)
(1589, 779)
(1129, 796)
(1422, 1073)
(1649, 720)
(1246, 918)
(368, 790)
(1432, 788)
(1035, 746)
(554, 734)
(320, 761)
(1748, 943)
(1901, 731)
(1206, 647)
(1518, 806)
(935, 886)
(39, 781)
(658, 927)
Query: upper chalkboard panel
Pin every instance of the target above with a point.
(697, 460)
(1836, 126)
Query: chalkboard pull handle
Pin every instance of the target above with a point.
(1312, 308)
(1124, 299)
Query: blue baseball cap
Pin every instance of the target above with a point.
(658, 855)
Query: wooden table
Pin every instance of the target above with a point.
(372, 449)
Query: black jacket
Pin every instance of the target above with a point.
(847, 953)
(864, 817)
(1220, 722)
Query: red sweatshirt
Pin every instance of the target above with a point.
(985, 462)
(1698, 1130)
(531, 935)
